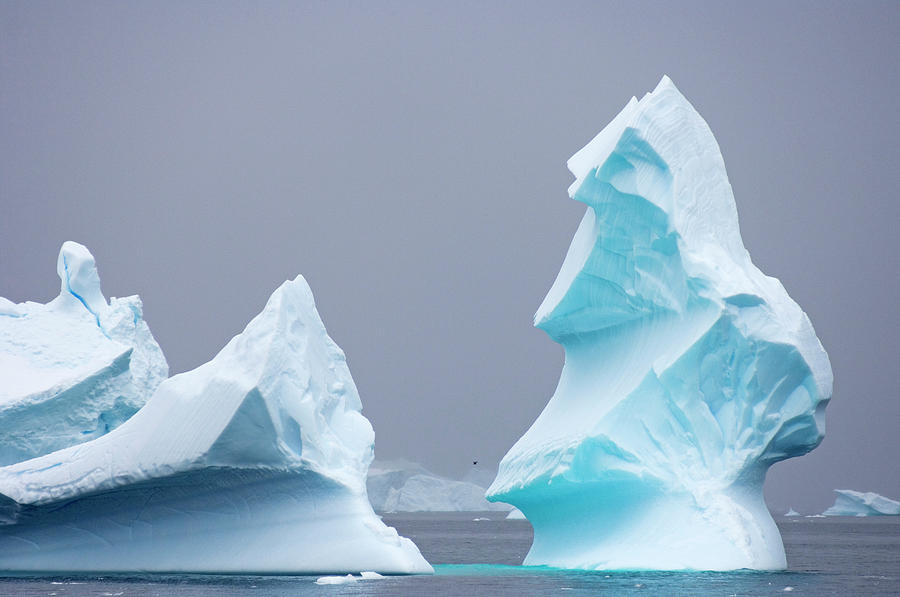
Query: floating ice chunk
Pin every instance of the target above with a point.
(347, 579)
(254, 462)
(688, 371)
(75, 368)
(857, 503)
(791, 512)
(336, 580)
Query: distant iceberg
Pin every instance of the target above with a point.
(857, 503)
(74, 369)
(401, 486)
(254, 462)
(791, 512)
(515, 514)
(688, 372)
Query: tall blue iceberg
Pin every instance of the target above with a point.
(688, 372)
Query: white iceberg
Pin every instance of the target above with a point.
(856, 503)
(336, 580)
(254, 462)
(688, 372)
(401, 486)
(75, 368)
(791, 512)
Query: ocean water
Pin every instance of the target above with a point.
(479, 553)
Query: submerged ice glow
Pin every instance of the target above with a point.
(688, 372)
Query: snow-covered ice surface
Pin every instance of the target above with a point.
(688, 372)
(254, 462)
(401, 486)
(856, 503)
(75, 368)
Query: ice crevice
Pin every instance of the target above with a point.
(68, 285)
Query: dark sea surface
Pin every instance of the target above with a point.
(826, 556)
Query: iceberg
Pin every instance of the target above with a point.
(254, 462)
(688, 372)
(515, 514)
(791, 512)
(857, 503)
(75, 368)
(401, 486)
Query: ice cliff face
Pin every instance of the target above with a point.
(254, 462)
(75, 368)
(688, 372)
(857, 503)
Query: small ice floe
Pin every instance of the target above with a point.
(336, 580)
(788, 589)
(342, 580)
(479, 519)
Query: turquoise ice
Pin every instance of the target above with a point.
(688, 372)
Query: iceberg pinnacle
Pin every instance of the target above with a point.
(75, 368)
(78, 277)
(688, 371)
(254, 462)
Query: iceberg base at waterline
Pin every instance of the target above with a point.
(636, 528)
(253, 463)
(209, 521)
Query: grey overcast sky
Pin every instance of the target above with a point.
(409, 160)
